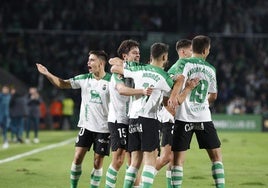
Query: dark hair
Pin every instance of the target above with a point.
(158, 49)
(200, 43)
(183, 43)
(100, 54)
(126, 46)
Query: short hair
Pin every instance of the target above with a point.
(158, 49)
(183, 43)
(126, 46)
(200, 43)
(100, 54)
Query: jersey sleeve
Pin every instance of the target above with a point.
(77, 80)
(130, 68)
(177, 69)
(213, 86)
(75, 84)
(118, 78)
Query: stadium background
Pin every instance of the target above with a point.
(60, 33)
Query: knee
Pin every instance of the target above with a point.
(118, 162)
(78, 158)
(98, 162)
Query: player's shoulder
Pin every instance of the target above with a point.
(107, 76)
(132, 65)
(83, 76)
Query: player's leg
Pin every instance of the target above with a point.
(136, 155)
(177, 169)
(181, 143)
(166, 155)
(150, 144)
(209, 140)
(217, 167)
(101, 147)
(112, 171)
(76, 168)
(118, 136)
(97, 171)
(165, 158)
(132, 170)
(83, 143)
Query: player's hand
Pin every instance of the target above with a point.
(172, 102)
(148, 91)
(172, 111)
(42, 69)
(115, 61)
(192, 83)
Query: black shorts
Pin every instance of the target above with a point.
(100, 141)
(166, 133)
(205, 132)
(119, 135)
(143, 134)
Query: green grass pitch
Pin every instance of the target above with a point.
(245, 158)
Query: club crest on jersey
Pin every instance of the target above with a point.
(104, 87)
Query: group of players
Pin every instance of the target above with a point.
(129, 110)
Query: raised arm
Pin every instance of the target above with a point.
(117, 65)
(56, 81)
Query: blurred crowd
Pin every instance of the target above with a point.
(82, 15)
(158, 15)
(37, 31)
(24, 113)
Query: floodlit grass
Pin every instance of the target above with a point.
(244, 154)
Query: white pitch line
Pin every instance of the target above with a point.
(36, 151)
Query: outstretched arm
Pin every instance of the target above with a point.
(56, 81)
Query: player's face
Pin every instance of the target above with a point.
(133, 54)
(94, 64)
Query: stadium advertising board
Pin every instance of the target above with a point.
(238, 122)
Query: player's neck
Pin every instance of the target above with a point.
(99, 75)
(157, 63)
(199, 56)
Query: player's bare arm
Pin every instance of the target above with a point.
(173, 99)
(115, 61)
(127, 91)
(189, 86)
(212, 97)
(169, 109)
(117, 65)
(117, 69)
(56, 81)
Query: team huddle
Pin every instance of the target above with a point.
(139, 109)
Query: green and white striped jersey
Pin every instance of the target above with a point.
(146, 75)
(196, 106)
(95, 100)
(118, 108)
